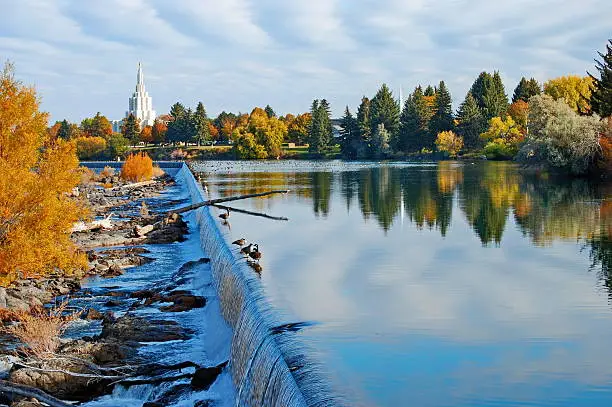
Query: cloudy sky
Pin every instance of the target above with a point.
(235, 54)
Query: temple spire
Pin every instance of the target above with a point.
(140, 104)
(140, 76)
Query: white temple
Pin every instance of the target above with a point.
(141, 104)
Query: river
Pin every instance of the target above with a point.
(436, 284)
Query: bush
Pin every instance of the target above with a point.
(40, 329)
(90, 147)
(137, 167)
(107, 172)
(449, 142)
(117, 146)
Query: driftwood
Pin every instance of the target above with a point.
(27, 391)
(229, 198)
(154, 380)
(263, 215)
(134, 185)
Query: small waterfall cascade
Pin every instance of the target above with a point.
(268, 369)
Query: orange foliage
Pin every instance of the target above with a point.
(214, 131)
(54, 129)
(604, 159)
(89, 147)
(519, 111)
(137, 167)
(146, 134)
(37, 176)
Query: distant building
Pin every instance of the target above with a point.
(117, 125)
(141, 104)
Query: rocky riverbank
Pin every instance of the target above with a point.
(85, 367)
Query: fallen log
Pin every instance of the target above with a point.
(27, 391)
(154, 380)
(134, 185)
(263, 215)
(229, 198)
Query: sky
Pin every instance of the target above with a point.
(233, 55)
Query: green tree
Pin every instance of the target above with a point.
(97, 126)
(601, 99)
(320, 133)
(363, 121)
(495, 98)
(117, 146)
(442, 119)
(350, 141)
(269, 111)
(131, 129)
(470, 123)
(200, 122)
(384, 110)
(246, 146)
(380, 141)
(177, 110)
(64, 131)
(479, 89)
(429, 91)
(414, 123)
(526, 89)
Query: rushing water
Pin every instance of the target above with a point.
(450, 284)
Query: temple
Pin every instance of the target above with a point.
(141, 104)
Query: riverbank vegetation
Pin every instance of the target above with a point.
(487, 123)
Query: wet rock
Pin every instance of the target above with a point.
(131, 328)
(170, 396)
(104, 353)
(112, 303)
(26, 403)
(184, 302)
(142, 294)
(6, 364)
(204, 403)
(141, 231)
(204, 377)
(93, 314)
(3, 297)
(113, 271)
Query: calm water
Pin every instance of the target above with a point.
(450, 284)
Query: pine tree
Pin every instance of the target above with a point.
(526, 89)
(471, 123)
(327, 124)
(64, 131)
(601, 99)
(363, 121)
(414, 121)
(384, 110)
(429, 91)
(479, 88)
(350, 142)
(269, 111)
(320, 127)
(200, 121)
(442, 119)
(177, 110)
(131, 129)
(380, 141)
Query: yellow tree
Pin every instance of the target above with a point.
(503, 138)
(575, 90)
(449, 142)
(37, 174)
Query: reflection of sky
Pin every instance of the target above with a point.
(409, 316)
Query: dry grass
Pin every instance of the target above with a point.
(40, 329)
(157, 172)
(107, 172)
(137, 168)
(87, 175)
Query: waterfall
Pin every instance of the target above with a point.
(268, 369)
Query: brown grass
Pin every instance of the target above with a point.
(107, 172)
(157, 172)
(40, 329)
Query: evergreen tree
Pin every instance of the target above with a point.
(64, 131)
(429, 91)
(200, 122)
(479, 88)
(131, 129)
(177, 110)
(526, 89)
(442, 119)
(363, 122)
(385, 110)
(320, 128)
(601, 99)
(269, 111)
(496, 100)
(380, 141)
(414, 123)
(350, 142)
(471, 123)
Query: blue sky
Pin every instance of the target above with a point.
(235, 54)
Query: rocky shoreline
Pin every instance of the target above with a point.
(87, 367)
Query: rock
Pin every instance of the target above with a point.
(131, 328)
(142, 294)
(6, 364)
(141, 231)
(17, 303)
(94, 315)
(27, 403)
(204, 403)
(106, 353)
(112, 303)
(204, 377)
(170, 397)
(113, 271)
(184, 302)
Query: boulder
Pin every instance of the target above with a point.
(105, 353)
(93, 315)
(131, 328)
(3, 297)
(184, 302)
(204, 377)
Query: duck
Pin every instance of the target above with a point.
(255, 253)
(240, 242)
(246, 250)
(225, 216)
(255, 266)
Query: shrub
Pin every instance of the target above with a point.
(157, 172)
(449, 142)
(179, 154)
(90, 147)
(137, 167)
(107, 172)
(40, 329)
(37, 176)
(117, 146)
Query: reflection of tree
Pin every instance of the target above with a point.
(349, 181)
(379, 194)
(321, 191)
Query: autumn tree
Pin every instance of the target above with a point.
(131, 129)
(297, 129)
(38, 173)
(519, 111)
(573, 89)
(503, 138)
(97, 126)
(90, 147)
(526, 89)
(449, 142)
(158, 132)
(146, 134)
(470, 122)
(601, 98)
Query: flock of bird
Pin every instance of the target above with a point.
(252, 253)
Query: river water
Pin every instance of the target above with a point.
(436, 284)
